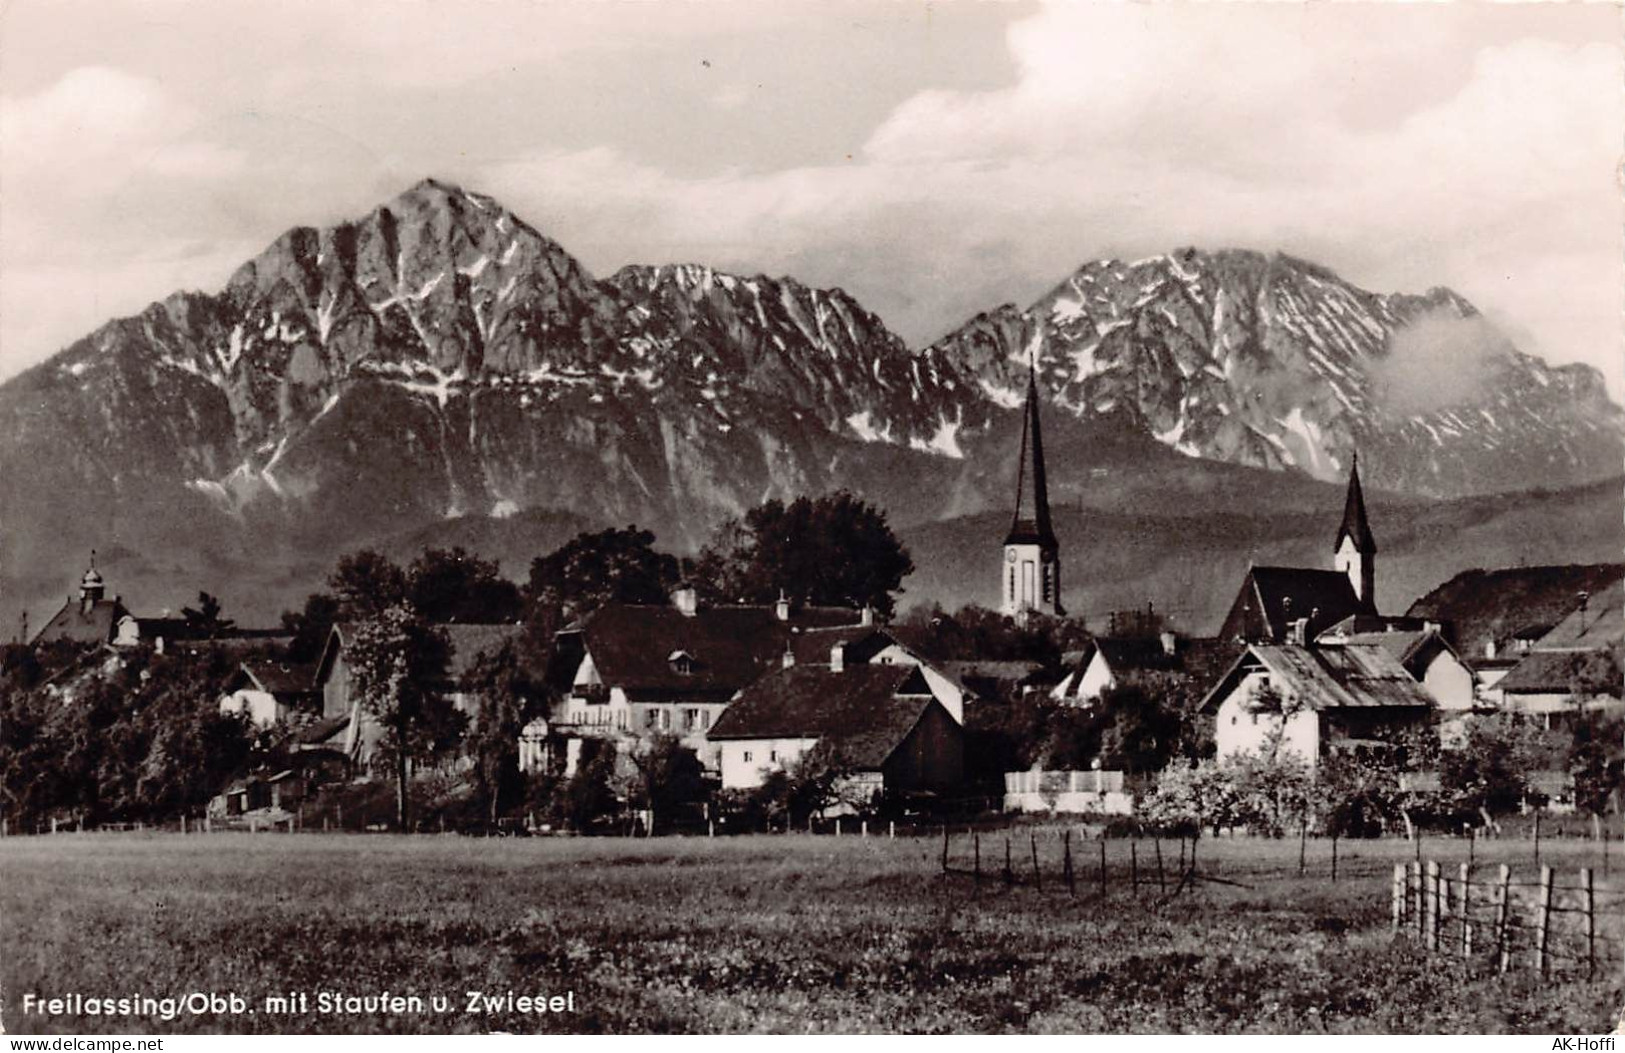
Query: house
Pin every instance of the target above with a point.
(1430, 660)
(1426, 655)
(1331, 699)
(1556, 686)
(268, 691)
(333, 682)
(1278, 603)
(1113, 661)
(1491, 613)
(1574, 667)
(91, 618)
(884, 723)
(869, 644)
(988, 680)
(634, 671)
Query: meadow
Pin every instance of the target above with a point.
(757, 933)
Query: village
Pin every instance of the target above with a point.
(1497, 693)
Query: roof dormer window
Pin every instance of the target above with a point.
(681, 662)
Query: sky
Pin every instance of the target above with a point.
(933, 159)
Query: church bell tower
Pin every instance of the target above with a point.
(1355, 550)
(1030, 575)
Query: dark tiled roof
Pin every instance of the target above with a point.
(1558, 672)
(631, 647)
(1601, 623)
(73, 622)
(1201, 659)
(280, 678)
(1290, 593)
(866, 711)
(812, 646)
(321, 732)
(1001, 672)
(1486, 606)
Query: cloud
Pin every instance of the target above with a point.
(1404, 145)
(1437, 361)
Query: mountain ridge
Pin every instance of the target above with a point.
(440, 358)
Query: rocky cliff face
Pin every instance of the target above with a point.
(1279, 363)
(441, 358)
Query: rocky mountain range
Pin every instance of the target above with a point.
(441, 360)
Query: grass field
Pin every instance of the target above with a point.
(772, 933)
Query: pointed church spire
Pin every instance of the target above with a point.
(1354, 523)
(1031, 523)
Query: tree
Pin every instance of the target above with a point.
(1359, 793)
(589, 794)
(1491, 771)
(834, 550)
(591, 570)
(451, 585)
(1190, 796)
(1273, 789)
(204, 620)
(366, 583)
(505, 690)
(396, 660)
(1592, 764)
(667, 774)
(310, 626)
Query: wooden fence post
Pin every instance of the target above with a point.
(976, 857)
(1537, 838)
(1543, 919)
(1430, 927)
(863, 828)
(1009, 871)
(1334, 859)
(1503, 910)
(1413, 895)
(891, 829)
(1066, 864)
(1134, 866)
(1038, 878)
(1466, 911)
(1102, 868)
(1162, 882)
(1303, 847)
(1472, 844)
(837, 827)
(944, 848)
(1590, 892)
(1397, 896)
(1181, 853)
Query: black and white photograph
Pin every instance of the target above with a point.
(825, 516)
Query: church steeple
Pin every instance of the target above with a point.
(1354, 549)
(91, 587)
(1031, 574)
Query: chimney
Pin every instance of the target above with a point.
(1489, 648)
(686, 600)
(837, 658)
(1169, 642)
(781, 609)
(868, 615)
